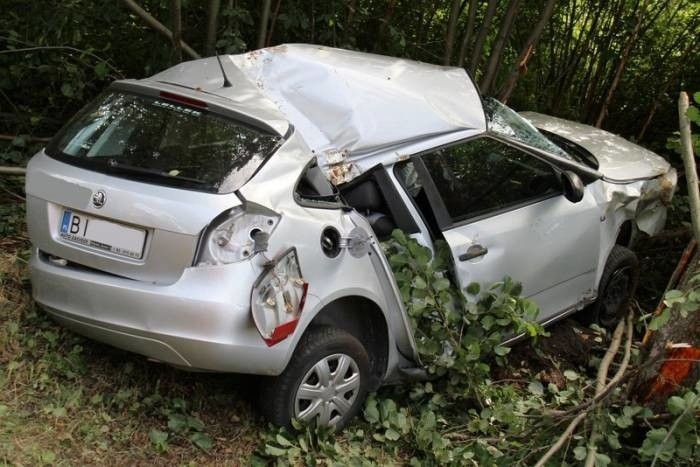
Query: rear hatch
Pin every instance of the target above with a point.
(131, 182)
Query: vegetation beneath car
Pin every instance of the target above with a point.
(493, 406)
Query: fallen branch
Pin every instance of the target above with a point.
(601, 388)
(63, 47)
(158, 26)
(600, 382)
(31, 139)
(12, 170)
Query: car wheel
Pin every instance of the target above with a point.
(617, 286)
(325, 382)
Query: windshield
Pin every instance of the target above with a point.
(163, 142)
(503, 121)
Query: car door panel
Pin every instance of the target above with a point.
(550, 246)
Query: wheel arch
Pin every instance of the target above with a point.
(365, 320)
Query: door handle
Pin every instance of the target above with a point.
(474, 251)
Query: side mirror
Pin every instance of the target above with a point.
(573, 186)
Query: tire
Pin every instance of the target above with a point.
(283, 396)
(617, 286)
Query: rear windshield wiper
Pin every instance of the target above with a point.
(120, 166)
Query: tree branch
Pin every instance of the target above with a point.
(158, 26)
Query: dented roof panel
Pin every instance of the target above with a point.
(341, 100)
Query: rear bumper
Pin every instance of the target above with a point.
(200, 322)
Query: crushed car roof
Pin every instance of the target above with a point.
(341, 100)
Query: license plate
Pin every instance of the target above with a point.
(101, 234)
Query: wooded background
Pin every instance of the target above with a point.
(617, 64)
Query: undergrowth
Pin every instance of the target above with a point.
(467, 417)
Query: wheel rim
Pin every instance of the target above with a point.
(617, 294)
(328, 390)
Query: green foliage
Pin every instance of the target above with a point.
(685, 302)
(464, 417)
(681, 441)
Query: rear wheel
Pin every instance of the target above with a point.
(325, 382)
(617, 286)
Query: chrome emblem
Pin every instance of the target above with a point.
(99, 198)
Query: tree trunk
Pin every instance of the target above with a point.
(451, 32)
(212, 26)
(631, 42)
(499, 46)
(481, 37)
(275, 14)
(671, 354)
(264, 19)
(527, 51)
(158, 26)
(471, 17)
(352, 9)
(386, 19)
(662, 92)
(177, 30)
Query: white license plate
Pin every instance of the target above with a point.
(101, 234)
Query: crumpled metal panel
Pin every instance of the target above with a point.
(645, 201)
(619, 159)
(352, 103)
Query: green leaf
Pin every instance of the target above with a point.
(696, 97)
(177, 422)
(580, 453)
(371, 412)
(441, 284)
(274, 450)
(202, 441)
(535, 387)
(419, 283)
(67, 90)
(501, 350)
(660, 320)
(101, 70)
(694, 114)
(392, 435)
(571, 375)
(473, 288)
(601, 460)
(676, 405)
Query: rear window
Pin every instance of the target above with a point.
(163, 142)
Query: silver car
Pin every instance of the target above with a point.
(225, 215)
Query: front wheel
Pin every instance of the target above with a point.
(324, 384)
(617, 286)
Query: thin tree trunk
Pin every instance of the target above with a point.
(477, 52)
(177, 30)
(275, 14)
(657, 100)
(527, 51)
(264, 19)
(386, 19)
(212, 26)
(499, 46)
(621, 67)
(451, 32)
(158, 26)
(352, 9)
(471, 17)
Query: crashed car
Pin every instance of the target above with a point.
(226, 215)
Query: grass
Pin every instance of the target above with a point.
(66, 400)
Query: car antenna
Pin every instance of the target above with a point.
(227, 83)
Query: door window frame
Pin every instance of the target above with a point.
(442, 216)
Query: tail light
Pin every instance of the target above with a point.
(232, 236)
(278, 298)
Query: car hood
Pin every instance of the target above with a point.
(619, 159)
